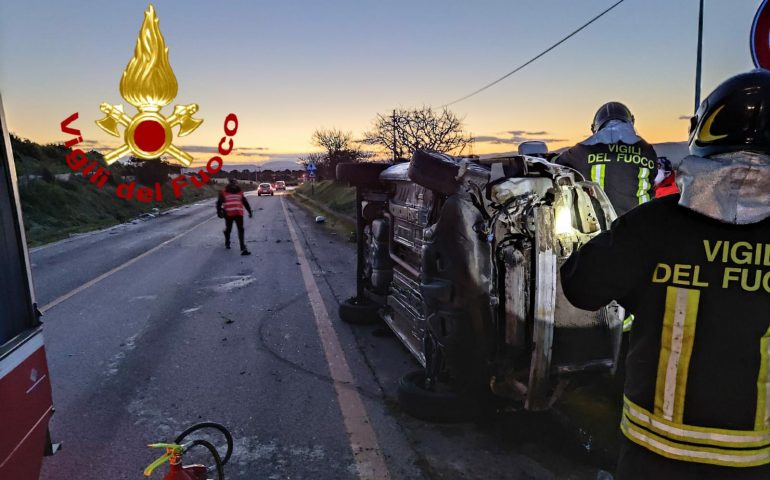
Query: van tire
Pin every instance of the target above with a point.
(439, 406)
(356, 311)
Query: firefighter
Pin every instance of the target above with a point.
(615, 157)
(230, 205)
(697, 389)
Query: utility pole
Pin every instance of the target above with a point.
(395, 137)
(699, 57)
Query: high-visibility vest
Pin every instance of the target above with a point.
(233, 204)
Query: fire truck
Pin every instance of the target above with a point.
(25, 387)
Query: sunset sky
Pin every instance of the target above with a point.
(289, 67)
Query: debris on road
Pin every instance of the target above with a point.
(320, 219)
(238, 282)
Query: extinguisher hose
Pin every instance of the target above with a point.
(220, 461)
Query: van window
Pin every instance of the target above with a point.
(16, 310)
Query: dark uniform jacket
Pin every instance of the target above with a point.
(625, 171)
(698, 384)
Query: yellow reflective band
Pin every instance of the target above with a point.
(681, 313)
(694, 453)
(597, 174)
(762, 419)
(642, 192)
(700, 435)
(628, 323)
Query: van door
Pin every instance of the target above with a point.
(25, 388)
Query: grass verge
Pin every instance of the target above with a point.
(339, 224)
(334, 196)
(56, 210)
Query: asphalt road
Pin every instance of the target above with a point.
(153, 326)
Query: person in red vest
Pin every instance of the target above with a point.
(665, 182)
(230, 206)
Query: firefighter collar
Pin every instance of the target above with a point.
(732, 187)
(614, 131)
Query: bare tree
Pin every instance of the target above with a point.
(332, 140)
(407, 130)
(339, 148)
(314, 157)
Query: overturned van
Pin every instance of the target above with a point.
(460, 258)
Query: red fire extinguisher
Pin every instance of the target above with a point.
(175, 451)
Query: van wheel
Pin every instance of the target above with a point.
(435, 171)
(436, 404)
(357, 311)
(361, 174)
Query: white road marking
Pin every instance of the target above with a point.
(101, 277)
(363, 440)
(145, 297)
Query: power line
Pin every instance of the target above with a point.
(535, 57)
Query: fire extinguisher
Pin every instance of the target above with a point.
(175, 451)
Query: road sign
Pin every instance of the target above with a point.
(760, 37)
(311, 174)
(311, 168)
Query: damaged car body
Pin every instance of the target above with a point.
(460, 257)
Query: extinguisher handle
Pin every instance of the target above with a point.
(172, 449)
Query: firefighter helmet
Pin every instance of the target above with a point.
(734, 117)
(611, 111)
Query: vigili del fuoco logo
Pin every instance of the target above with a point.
(149, 84)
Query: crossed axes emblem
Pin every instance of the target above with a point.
(148, 134)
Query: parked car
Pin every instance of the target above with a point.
(264, 189)
(280, 185)
(460, 258)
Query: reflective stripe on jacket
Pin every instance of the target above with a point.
(233, 204)
(733, 448)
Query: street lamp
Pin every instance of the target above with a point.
(699, 57)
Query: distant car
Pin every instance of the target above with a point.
(280, 185)
(264, 189)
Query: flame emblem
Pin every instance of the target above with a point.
(149, 84)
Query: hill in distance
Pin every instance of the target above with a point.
(275, 165)
(674, 151)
